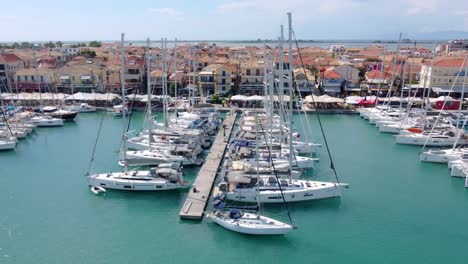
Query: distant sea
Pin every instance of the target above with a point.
(392, 45)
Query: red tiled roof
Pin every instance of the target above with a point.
(378, 75)
(331, 74)
(10, 57)
(455, 62)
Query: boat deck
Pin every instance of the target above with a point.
(195, 203)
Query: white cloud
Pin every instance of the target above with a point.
(420, 7)
(235, 6)
(166, 11)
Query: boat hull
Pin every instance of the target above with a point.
(252, 224)
(107, 181)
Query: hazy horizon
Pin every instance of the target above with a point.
(229, 20)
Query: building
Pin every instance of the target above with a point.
(157, 81)
(215, 79)
(453, 45)
(86, 78)
(349, 73)
(70, 49)
(305, 82)
(331, 82)
(30, 80)
(251, 81)
(445, 75)
(337, 50)
(134, 72)
(9, 64)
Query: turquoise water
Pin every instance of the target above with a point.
(397, 210)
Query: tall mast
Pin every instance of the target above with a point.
(124, 110)
(38, 82)
(281, 82)
(265, 79)
(164, 81)
(149, 92)
(194, 61)
(256, 158)
(175, 77)
(290, 84)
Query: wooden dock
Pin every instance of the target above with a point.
(195, 204)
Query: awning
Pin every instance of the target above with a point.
(65, 77)
(86, 77)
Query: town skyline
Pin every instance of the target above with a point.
(56, 20)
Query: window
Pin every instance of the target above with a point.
(25, 77)
(42, 78)
(32, 78)
(223, 73)
(248, 71)
(18, 78)
(257, 72)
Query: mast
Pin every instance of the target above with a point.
(281, 82)
(290, 93)
(149, 92)
(175, 76)
(194, 61)
(38, 83)
(164, 81)
(256, 159)
(124, 110)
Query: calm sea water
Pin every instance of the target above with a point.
(397, 209)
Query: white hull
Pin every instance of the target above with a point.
(305, 191)
(149, 158)
(251, 224)
(459, 170)
(441, 156)
(46, 122)
(7, 145)
(409, 139)
(130, 182)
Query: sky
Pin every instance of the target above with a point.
(44, 20)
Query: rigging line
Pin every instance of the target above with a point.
(5, 118)
(332, 165)
(276, 175)
(97, 138)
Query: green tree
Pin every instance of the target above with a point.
(172, 89)
(362, 73)
(25, 45)
(89, 53)
(59, 44)
(49, 45)
(95, 44)
(215, 99)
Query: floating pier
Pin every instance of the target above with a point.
(195, 204)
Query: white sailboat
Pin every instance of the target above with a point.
(163, 177)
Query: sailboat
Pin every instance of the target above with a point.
(247, 222)
(166, 176)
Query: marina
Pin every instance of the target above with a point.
(268, 150)
(387, 206)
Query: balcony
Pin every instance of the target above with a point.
(129, 76)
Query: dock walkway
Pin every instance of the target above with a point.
(196, 201)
